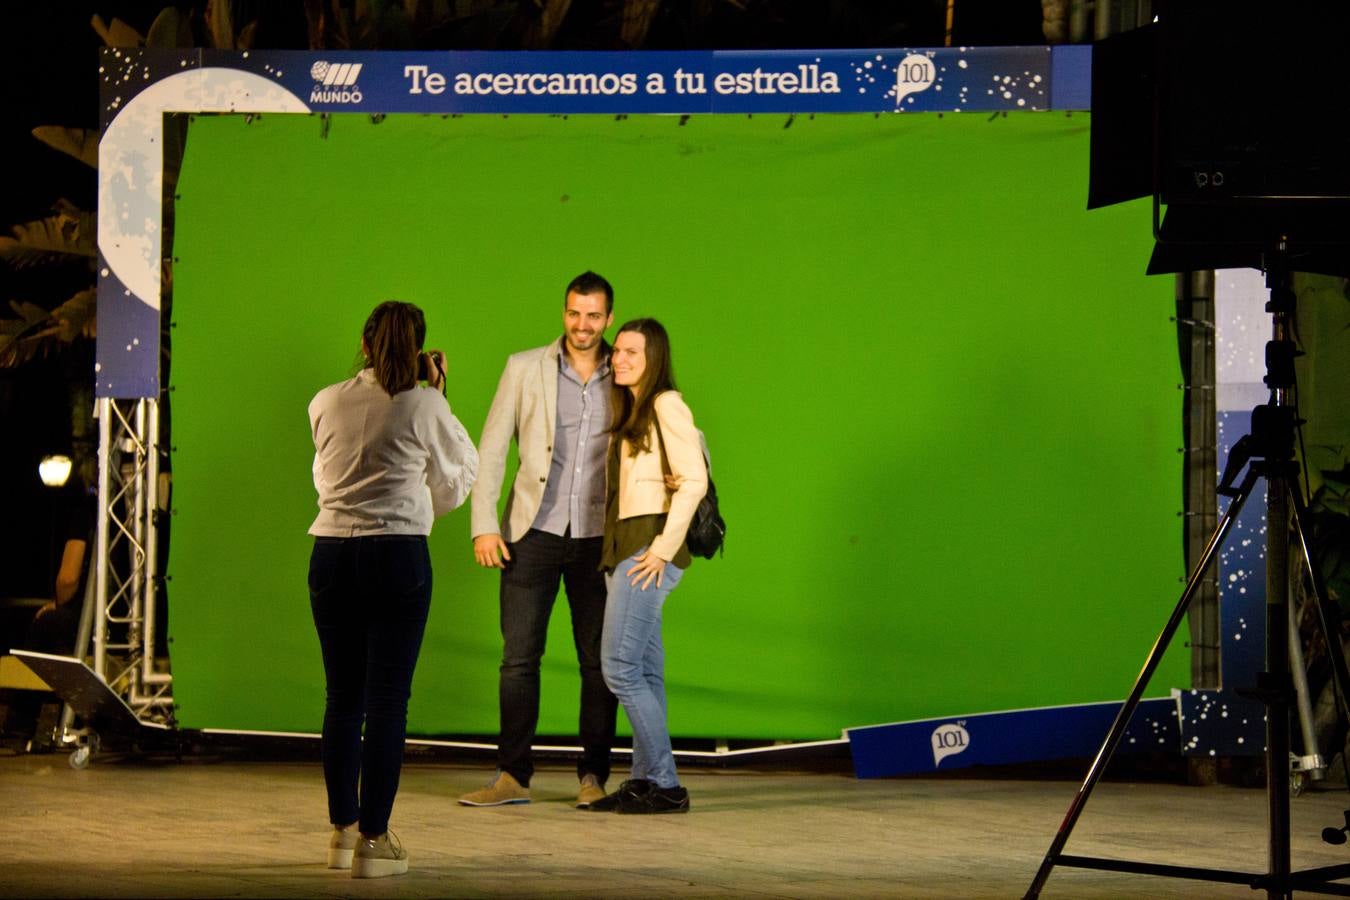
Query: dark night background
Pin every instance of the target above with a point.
(50, 59)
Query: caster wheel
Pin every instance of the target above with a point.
(82, 756)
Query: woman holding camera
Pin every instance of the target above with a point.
(389, 457)
(656, 477)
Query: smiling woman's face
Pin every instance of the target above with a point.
(630, 358)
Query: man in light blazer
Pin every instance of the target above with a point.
(554, 402)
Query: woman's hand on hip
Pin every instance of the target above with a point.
(648, 566)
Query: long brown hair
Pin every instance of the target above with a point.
(632, 416)
(392, 341)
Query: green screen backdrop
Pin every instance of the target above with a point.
(940, 398)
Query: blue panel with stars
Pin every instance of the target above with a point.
(1221, 723)
(1008, 738)
(1242, 573)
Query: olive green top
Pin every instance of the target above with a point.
(625, 537)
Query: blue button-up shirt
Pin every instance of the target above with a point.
(574, 495)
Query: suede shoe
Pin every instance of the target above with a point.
(379, 857)
(656, 800)
(501, 790)
(633, 788)
(342, 845)
(590, 792)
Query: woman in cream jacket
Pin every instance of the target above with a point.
(656, 477)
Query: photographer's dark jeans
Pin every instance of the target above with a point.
(370, 597)
(539, 561)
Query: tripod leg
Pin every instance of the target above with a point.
(1328, 616)
(1310, 763)
(1278, 687)
(1131, 703)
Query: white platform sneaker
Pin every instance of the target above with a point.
(342, 846)
(379, 857)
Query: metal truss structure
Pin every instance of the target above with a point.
(119, 627)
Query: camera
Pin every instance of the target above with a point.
(429, 366)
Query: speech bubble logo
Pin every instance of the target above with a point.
(949, 740)
(915, 73)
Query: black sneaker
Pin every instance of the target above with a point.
(633, 789)
(656, 800)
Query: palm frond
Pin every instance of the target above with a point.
(170, 29)
(69, 233)
(81, 143)
(118, 34)
(77, 316)
(35, 332)
(220, 24)
(26, 316)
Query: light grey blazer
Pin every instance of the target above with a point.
(525, 409)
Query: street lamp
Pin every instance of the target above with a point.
(54, 470)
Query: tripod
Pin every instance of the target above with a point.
(1266, 452)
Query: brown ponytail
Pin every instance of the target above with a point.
(392, 340)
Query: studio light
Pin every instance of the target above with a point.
(54, 470)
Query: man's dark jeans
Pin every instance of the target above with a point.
(539, 561)
(370, 597)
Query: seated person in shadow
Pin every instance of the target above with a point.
(56, 624)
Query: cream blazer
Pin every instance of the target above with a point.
(642, 483)
(525, 410)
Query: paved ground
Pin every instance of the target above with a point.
(213, 828)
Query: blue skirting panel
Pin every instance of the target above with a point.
(1014, 736)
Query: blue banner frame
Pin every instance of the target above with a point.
(138, 87)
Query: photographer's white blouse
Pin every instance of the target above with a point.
(386, 465)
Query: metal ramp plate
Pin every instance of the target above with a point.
(90, 698)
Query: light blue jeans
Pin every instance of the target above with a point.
(634, 661)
